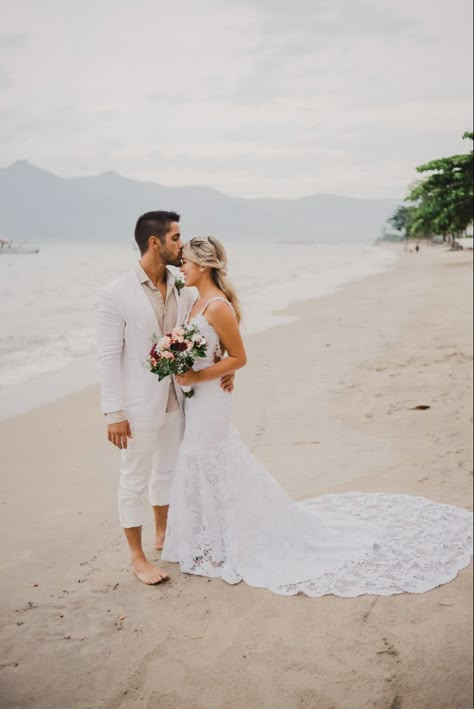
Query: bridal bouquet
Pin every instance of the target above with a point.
(176, 352)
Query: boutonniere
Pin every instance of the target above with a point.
(178, 284)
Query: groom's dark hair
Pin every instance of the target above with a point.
(153, 224)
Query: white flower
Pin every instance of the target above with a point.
(179, 284)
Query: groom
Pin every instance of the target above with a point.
(145, 417)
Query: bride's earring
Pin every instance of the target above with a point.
(202, 269)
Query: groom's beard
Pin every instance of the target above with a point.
(171, 259)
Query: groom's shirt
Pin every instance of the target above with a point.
(166, 314)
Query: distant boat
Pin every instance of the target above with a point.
(8, 247)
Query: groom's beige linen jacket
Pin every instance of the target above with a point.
(126, 324)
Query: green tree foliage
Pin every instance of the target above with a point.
(443, 201)
(402, 220)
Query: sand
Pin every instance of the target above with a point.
(79, 631)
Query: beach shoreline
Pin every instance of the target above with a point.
(344, 419)
(49, 352)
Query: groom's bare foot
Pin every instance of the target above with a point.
(147, 572)
(160, 540)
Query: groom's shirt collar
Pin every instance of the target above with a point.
(145, 280)
(142, 276)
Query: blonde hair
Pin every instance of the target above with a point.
(208, 252)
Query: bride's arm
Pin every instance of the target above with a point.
(222, 319)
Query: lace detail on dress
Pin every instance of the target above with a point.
(228, 518)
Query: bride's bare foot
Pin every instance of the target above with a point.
(147, 572)
(160, 540)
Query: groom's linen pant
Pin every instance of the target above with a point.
(148, 462)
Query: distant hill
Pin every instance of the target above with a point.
(36, 206)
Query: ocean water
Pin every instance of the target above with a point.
(47, 303)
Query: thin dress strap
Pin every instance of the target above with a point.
(217, 297)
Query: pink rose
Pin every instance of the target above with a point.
(164, 343)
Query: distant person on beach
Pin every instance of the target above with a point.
(144, 417)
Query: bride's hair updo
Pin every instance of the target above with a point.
(208, 252)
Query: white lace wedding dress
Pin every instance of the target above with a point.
(228, 518)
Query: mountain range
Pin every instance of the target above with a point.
(36, 206)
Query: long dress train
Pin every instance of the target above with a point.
(228, 518)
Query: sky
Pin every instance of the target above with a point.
(256, 98)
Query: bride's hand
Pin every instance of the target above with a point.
(227, 382)
(188, 378)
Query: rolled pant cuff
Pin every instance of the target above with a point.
(128, 524)
(128, 520)
(161, 496)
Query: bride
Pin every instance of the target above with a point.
(228, 518)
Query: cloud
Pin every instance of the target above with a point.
(253, 97)
(327, 19)
(11, 41)
(5, 79)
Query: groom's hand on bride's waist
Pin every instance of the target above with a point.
(119, 433)
(227, 382)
